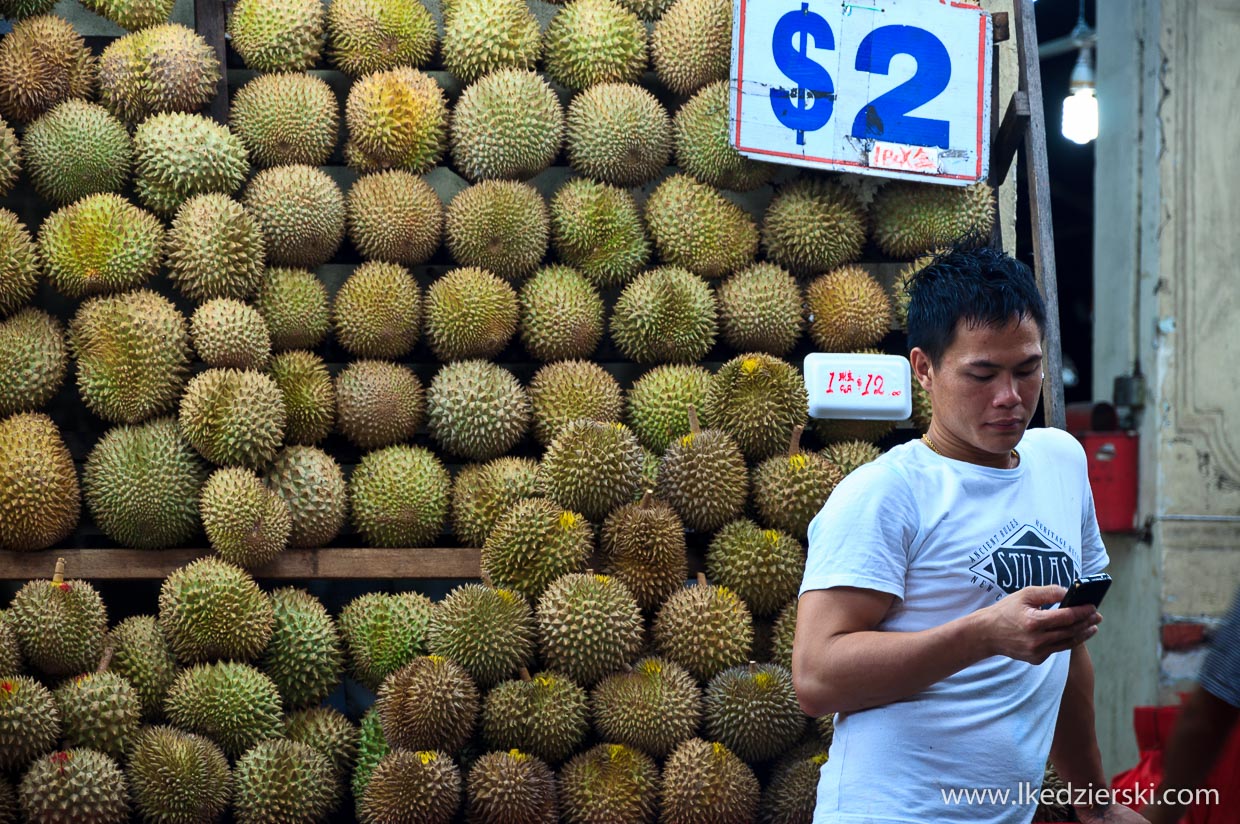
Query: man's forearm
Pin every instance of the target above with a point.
(1074, 750)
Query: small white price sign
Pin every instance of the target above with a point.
(897, 88)
(856, 386)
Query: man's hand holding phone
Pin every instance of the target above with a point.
(1022, 626)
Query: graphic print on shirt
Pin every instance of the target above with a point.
(1022, 555)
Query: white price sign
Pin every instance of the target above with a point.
(897, 88)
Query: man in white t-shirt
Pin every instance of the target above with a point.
(920, 621)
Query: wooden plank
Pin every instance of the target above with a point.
(211, 21)
(1010, 136)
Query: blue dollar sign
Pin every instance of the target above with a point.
(807, 107)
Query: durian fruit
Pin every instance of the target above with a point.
(378, 311)
(379, 403)
(309, 396)
(597, 229)
(371, 749)
(565, 391)
(702, 147)
(900, 289)
(511, 788)
(783, 634)
(533, 544)
(648, 10)
(209, 609)
(498, 225)
(300, 211)
(165, 68)
(40, 500)
(595, 41)
(759, 400)
(618, 133)
(229, 333)
(654, 706)
(20, 9)
(399, 496)
(665, 314)
(277, 35)
(792, 794)
(588, 626)
(847, 309)
(430, 703)
(609, 784)
(848, 455)
(760, 309)
(508, 124)
(591, 467)
(659, 401)
(231, 703)
(384, 632)
(100, 244)
(178, 777)
(546, 715)
(753, 711)
(286, 119)
(132, 15)
(74, 785)
(643, 546)
(177, 156)
(476, 409)
(561, 315)
(482, 494)
(281, 780)
(99, 711)
(10, 650)
(692, 44)
(11, 157)
(696, 227)
(60, 624)
(76, 149)
(813, 226)
(789, 490)
(832, 431)
(8, 803)
(29, 722)
(482, 36)
(233, 418)
(331, 733)
(33, 359)
(313, 486)
(246, 523)
(141, 656)
(703, 477)
(43, 62)
(911, 219)
(394, 216)
(141, 483)
(487, 631)
(294, 304)
(365, 36)
(396, 118)
(922, 408)
(705, 629)
(412, 787)
(19, 263)
(705, 783)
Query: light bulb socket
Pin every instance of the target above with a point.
(1083, 72)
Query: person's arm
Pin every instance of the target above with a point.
(1203, 727)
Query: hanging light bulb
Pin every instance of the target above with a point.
(1080, 107)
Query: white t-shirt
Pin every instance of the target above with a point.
(946, 538)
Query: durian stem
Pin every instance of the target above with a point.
(753, 667)
(486, 580)
(701, 579)
(59, 576)
(525, 674)
(694, 426)
(795, 446)
(647, 499)
(105, 660)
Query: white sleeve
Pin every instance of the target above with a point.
(862, 535)
(1094, 556)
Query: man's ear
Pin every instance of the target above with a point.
(923, 369)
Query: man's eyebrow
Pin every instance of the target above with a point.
(985, 364)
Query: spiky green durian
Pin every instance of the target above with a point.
(371, 748)
(330, 732)
(377, 312)
(277, 35)
(412, 787)
(470, 313)
(281, 780)
(588, 626)
(546, 715)
(10, 650)
(812, 226)
(565, 391)
(847, 309)
(233, 418)
(705, 629)
(19, 9)
(142, 483)
(591, 467)
(488, 631)
(300, 211)
(430, 703)
(231, 703)
(8, 803)
(294, 304)
(692, 44)
(397, 118)
(498, 225)
(365, 36)
(477, 409)
(643, 545)
(911, 219)
(595, 41)
(659, 401)
(512, 788)
(762, 566)
(900, 294)
(509, 124)
(43, 62)
(75, 785)
(166, 68)
(705, 783)
(702, 147)
(286, 118)
(60, 624)
(665, 314)
(654, 706)
(379, 403)
(39, 496)
(792, 794)
(229, 333)
(696, 227)
(141, 656)
(703, 477)
(133, 14)
(178, 777)
(753, 711)
(395, 216)
(100, 244)
(399, 496)
(533, 544)
(789, 490)
(649, 10)
(177, 156)
(29, 723)
(760, 309)
(561, 315)
(610, 784)
(99, 710)
(783, 633)
(33, 359)
(758, 399)
(384, 632)
(246, 523)
(11, 157)
(313, 486)
(19, 263)
(481, 36)
(76, 149)
(309, 397)
(482, 493)
(832, 431)
(848, 455)
(598, 229)
(618, 133)
(923, 409)
(210, 609)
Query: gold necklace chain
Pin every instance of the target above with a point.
(935, 449)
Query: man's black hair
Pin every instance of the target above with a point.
(976, 287)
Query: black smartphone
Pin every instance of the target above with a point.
(1087, 590)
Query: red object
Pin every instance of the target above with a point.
(1112, 461)
(1182, 635)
